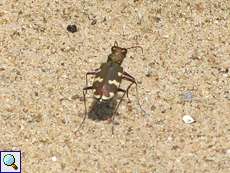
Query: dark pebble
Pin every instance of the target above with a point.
(153, 107)
(94, 21)
(72, 28)
(36, 93)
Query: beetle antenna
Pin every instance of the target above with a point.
(115, 44)
(136, 47)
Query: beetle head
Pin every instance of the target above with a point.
(117, 54)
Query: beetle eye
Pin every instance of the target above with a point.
(124, 50)
(113, 48)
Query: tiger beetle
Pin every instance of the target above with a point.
(108, 78)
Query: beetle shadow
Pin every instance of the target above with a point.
(102, 110)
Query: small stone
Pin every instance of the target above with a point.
(72, 28)
(188, 119)
(163, 111)
(75, 97)
(94, 21)
(225, 75)
(36, 93)
(2, 68)
(153, 107)
(148, 72)
(54, 158)
(139, 81)
(157, 19)
(188, 96)
(228, 151)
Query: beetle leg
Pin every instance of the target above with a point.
(84, 97)
(124, 91)
(90, 73)
(128, 75)
(130, 78)
(115, 110)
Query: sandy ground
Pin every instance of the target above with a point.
(185, 69)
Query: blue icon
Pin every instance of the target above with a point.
(10, 162)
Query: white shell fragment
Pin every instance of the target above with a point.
(54, 158)
(188, 119)
(228, 151)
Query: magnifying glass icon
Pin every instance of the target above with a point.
(9, 160)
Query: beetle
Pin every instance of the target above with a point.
(107, 79)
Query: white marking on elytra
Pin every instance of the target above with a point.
(105, 98)
(117, 84)
(98, 79)
(119, 74)
(111, 94)
(97, 96)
